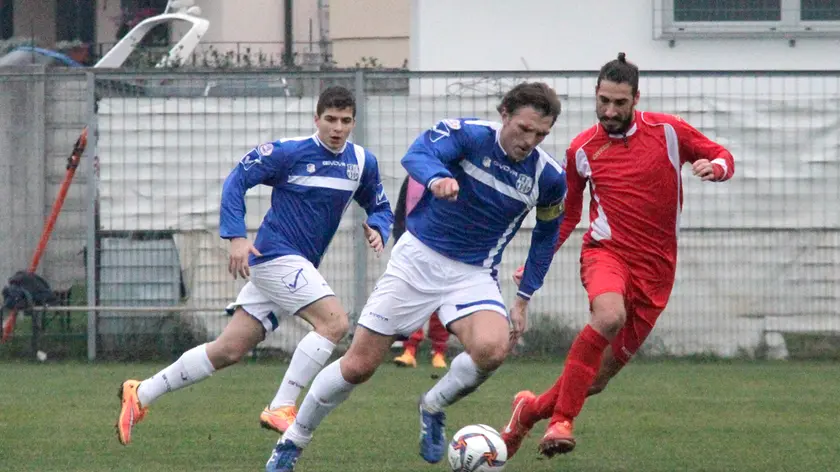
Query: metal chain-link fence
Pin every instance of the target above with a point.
(759, 255)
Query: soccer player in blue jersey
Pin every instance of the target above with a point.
(483, 180)
(314, 179)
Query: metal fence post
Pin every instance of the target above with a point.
(90, 174)
(360, 248)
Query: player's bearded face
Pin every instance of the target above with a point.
(615, 105)
(334, 126)
(522, 131)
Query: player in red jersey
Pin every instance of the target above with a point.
(632, 161)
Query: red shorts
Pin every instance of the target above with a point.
(603, 271)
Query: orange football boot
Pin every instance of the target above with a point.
(558, 439)
(515, 432)
(407, 359)
(131, 411)
(439, 360)
(278, 419)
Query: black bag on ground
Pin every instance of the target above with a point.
(25, 290)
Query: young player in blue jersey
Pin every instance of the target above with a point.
(484, 178)
(314, 179)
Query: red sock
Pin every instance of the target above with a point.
(542, 408)
(544, 405)
(413, 341)
(438, 334)
(579, 374)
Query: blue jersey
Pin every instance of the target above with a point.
(312, 189)
(496, 194)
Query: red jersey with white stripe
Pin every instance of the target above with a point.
(636, 188)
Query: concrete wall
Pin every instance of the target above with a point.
(40, 120)
(22, 176)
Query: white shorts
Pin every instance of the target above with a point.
(419, 281)
(280, 287)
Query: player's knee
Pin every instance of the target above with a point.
(224, 353)
(328, 319)
(357, 369)
(608, 318)
(489, 356)
(334, 328)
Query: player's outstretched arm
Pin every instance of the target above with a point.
(427, 158)
(709, 160)
(262, 165)
(371, 196)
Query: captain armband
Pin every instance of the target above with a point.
(551, 212)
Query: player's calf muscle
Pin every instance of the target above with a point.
(610, 367)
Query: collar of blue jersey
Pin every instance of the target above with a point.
(499, 141)
(321, 143)
(499, 144)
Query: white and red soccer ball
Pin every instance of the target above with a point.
(477, 448)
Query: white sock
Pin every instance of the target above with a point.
(310, 356)
(191, 367)
(461, 380)
(328, 390)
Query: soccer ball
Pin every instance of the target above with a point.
(477, 448)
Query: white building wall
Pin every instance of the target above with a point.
(481, 35)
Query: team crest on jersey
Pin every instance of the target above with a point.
(266, 149)
(380, 195)
(524, 183)
(310, 168)
(353, 172)
(486, 161)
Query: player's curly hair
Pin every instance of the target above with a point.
(621, 72)
(335, 96)
(537, 95)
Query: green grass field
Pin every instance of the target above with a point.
(657, 416)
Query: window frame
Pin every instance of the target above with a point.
(790, 26)
(7, 22)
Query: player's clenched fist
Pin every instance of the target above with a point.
(706, 170)
(445, 189)
(240, 248)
